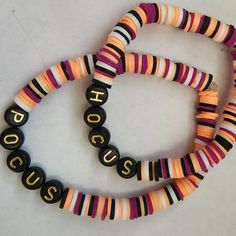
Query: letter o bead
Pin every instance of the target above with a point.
(96, 95)
(33, 178)
(127, 167)
(12, 138)
(95, 117)
(99, 137)
(109, 156)
(16, 116)
(52, 191)
(18, 161)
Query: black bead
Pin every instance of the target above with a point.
(127, 167)
(33, 178)
(99, 137)
(95, 117)
(109, 155)
(12, 138)
(52, 191)
(16, 116)
(18, 161)
(96, 95)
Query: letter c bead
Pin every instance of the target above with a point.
(33, 178)
(18, 161)
(51, 192)
(99, 137)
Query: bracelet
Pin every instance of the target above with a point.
(95, 116)
(126, 30)
(52, 191)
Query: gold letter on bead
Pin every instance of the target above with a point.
(107, 159)
(126, 163)
(16, 159)
(29, 177)
(97, 96)
(18, 117)
(98, 137)
(51, 190)
(11, 136)
(96, 120)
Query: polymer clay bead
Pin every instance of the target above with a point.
(33, 178)
(95, 116)
(109, 155)
(16, 116)
(126, 167)
(18, 161)
(12, 138)
(52, 191)
(96, 95)
(99, 137)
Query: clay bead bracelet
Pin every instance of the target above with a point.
(52, 191)
(95, 116)
(106, 70)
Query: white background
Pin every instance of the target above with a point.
(148, 118)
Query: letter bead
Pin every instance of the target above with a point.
(96, 95)
(12, 138)
(52, 191)
(18, 161)
(127, 167)
(99, 137)
(33, 178)
(16, 116)
(109, 156)
(95, 117)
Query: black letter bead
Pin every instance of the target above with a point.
(99, 137)
(16, 116)
(127, 167)
(12, 138)
(95, 117)
(33, 178)
(18, 161)
(51, 191)
(96, 95)
(109, 155)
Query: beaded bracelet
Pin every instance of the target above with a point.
(52, 191)
(95, 116)
(106, 69)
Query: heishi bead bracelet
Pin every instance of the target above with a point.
(106, 69)
(95, 116)
(52, 191)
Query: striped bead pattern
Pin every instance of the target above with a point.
(53, 78)
(166, 69)
(97, 206)
(77, 68)
(147, 13)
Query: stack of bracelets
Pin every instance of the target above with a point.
(187, 171)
